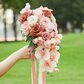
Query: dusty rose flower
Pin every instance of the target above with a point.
(24, 17)
(46, 35)
(25, 28)
(47, 65)
(36, 30)
(44, 21)
(46, 13)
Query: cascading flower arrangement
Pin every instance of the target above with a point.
(40, 28)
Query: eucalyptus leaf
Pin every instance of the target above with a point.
(31, 44)
(30, 38)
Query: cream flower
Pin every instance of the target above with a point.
(47, 65)
(52, 18)
(55, 55)
(42, 53)
(32, 19)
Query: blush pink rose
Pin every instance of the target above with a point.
(42, 53)
(50, 43)
(50, 27)
(25, 28)
(44, 21)
(47, 65)
(55, 55)
(38, 13)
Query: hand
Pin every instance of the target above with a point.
(23, 53)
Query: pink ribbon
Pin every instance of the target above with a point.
(33, 67)
(44, 77)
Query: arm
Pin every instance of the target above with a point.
(23, 53)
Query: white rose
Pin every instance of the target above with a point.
(32, 19)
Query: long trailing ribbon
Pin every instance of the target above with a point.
(33, 67)
(42, 75)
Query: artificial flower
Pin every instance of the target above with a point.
(50, 43)
(47, 65)
(26, 9)
(36, 30)
(42, 53)
(25, 28)
(44, 21)
(38, 13)
(32, 19)
(46, 35)
(50, 27)
(54, 55)
(24, 17)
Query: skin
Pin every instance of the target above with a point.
(23, 53)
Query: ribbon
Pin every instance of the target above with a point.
(42, 76)
(33, 67)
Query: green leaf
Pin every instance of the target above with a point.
(30, 38)
(59, 46)
(31, 44)
(33, 50)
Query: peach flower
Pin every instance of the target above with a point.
(55, 55)
(50, 43)
(25, 28)
(44, 21)
(42, 53)
(47, 65)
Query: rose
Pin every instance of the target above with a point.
(46, 35)
(44, 21)
(25, 28)
(24, 17)
(46, 13)
(47, 65)
(36, 30)
(42, 53)
(50, 43)
(38, 13)
(26, 9)
(32, 19)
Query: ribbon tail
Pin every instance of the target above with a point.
(33, 67)
(40, 81)
(44, 77)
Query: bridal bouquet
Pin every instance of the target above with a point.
(40, 27)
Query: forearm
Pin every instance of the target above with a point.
(8, 63)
